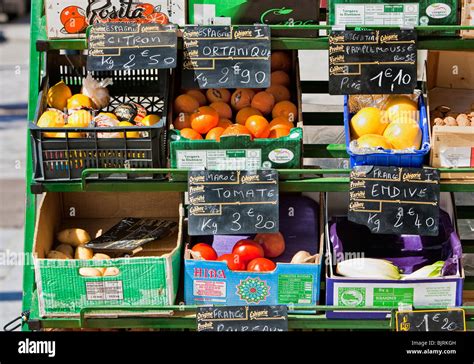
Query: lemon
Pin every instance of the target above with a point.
(78, 101)
(58, 95)
(51, 119)
(79, 119)
(109, 115)
(403, 133)
(401, 106)
(373, 141)
(150, 120)
(367, 121)
(130, 134)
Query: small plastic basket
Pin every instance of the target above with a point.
(389, 157)
(64, 159)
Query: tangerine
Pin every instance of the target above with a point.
(183, 120)
(224, 123)
(215, 133)
(258, 126)
(368, 120)
(58, 95)
(279, 131)
(236, 129)
(280, 78)
(185, 103)
(150, 120)
(263, 102)
(218, 94)
(223, 109)
(79, 101)
(242, 98)
(51, 119)
(282, 121)
(204, 119)
(199, 96)
(279, 92)
(189, 133)
(281, 61)
(286, 109)
(245, 113)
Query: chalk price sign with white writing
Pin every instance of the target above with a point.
(431, 320)
(226, 56)
(372, 62)
(233, 202)
(395, 200)
(127, 45)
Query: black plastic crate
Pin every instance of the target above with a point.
(64, 159)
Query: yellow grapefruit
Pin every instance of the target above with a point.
(373, 141)
(403, 133)
(367, 121)
(401, 106)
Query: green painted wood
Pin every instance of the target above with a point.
(325, 151)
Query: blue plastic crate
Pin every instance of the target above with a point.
(388, 157)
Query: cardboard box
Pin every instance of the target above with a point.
(70, 18)
(240, 152)
(211, 282)
(395, 13)
(467, 18)
(276, 12)
(150, 278)
(380, 293)
(451, 83)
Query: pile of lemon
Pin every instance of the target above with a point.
(76, 111)
(393, 127)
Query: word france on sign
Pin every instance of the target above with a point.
(431, 320)
(226, 56)
(126, 45)
(233, 202)
(372, 62)
(395, 200)
(242, 318)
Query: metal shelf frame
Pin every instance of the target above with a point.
(330, 180)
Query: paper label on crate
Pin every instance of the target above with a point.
(220, 159)
(209, 288)
(390, 295)
(104, 291)
(398, 14)
(457, 157)
(295, 288)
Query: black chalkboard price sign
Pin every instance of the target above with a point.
(233, 202)
(226, 56)
(431, 320)
(126, 46)
(242, 318)
(372, 62)
(395, 200)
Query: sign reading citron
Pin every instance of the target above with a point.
(367, 121)
(403, 133)
(373, 141)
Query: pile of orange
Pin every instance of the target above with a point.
(210, 114)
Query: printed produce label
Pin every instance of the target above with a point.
(295, 288)
(457, 157)
(220, 159)
(108, 291)
(390, 295)
(377, 14)
(209, 288)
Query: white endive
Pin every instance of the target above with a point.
(428, 271)
(368, 268)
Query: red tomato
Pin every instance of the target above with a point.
(234, 262)
(248, 250)
(261, 265)
(207, 252)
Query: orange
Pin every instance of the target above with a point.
(189, 133)
(279, 92)
(286, 109)
(236, 129)
(215, 133)
(222, 109)
(218, 94)
(58, 95)
(367, 121)
(399, 105)
(250, 91)
(199, 96)
(224, 123)
(183, 120)
(130, 134)
(204, 119)
(79, 101)
(241, 98)
(279, 131)
(244, 114)
(258, 126)
(79, 119)
(263, 102)
(185, 103)
(281, 121)
(280, 78)
(373, 141)
(403, 133)
(281, 61)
